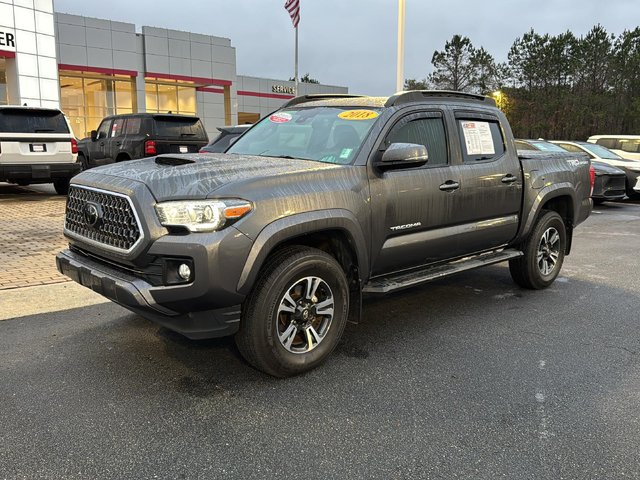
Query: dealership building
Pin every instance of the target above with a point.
(92, 68)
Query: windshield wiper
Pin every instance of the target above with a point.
(42, 130)
(187, 134)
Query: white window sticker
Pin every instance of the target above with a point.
(477, 136)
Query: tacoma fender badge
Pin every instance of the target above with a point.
(404, 227)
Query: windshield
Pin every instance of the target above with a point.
(323, 134)
(548, 147)
(602, 152)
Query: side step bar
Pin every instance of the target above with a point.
(416, 277)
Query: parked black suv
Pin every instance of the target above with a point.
(138, 135)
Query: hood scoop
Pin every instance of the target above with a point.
(173, 161)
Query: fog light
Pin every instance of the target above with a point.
(184, 271)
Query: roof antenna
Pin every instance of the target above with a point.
(170, 112)
(25, 104)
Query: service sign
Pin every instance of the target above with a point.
(7, 39)
(283, 89)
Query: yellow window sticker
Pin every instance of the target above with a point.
(358, 115)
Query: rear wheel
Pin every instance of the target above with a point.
(296, 313)
(84, 164)
(543, 253)
(62, 186)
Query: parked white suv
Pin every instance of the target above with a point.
(37, 145)
(627, 146)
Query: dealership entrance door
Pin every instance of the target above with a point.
(4, 91)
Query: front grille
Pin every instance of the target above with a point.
(117, 226)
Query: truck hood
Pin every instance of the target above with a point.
(195, 176)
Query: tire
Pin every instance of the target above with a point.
(527, 271)
(83, 162)
(631, 193)
(598, 201)
(275, 332)
(61, 186)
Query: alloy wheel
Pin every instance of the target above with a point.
(305, 315)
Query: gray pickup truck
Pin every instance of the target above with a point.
(330, 197)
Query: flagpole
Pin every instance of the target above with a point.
(400, 71)
(296, 61)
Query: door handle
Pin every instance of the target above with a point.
(102, 144)
(509, 179)
(118, 144)
(449, 186)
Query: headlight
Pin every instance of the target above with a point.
(201, 215)
(634, 169)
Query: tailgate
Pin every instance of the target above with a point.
(32, 149)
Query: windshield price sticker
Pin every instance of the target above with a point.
(358, 115)
(477, 136)
(280, 117)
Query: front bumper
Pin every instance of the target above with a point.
(39, 173)
(609, 187)
(139, 295)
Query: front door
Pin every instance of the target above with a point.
(98, 147)
(414, 209)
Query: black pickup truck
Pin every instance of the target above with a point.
(328, 198)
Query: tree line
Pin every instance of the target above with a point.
(555, 87)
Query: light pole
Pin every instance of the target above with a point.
(400, 71)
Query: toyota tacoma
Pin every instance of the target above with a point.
(329, 198)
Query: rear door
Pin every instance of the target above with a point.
(491, 181)
(32, 136)
(178, 134)
(116, 138)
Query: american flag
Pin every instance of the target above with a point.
(293, 7)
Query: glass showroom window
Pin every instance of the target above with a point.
(4, 92)
(87, 100)
(164, 98)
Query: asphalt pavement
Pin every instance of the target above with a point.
(466, 377)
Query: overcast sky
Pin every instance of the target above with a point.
(353, 42)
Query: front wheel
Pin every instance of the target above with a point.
(543, 251)
(62, 186)
(296, 313)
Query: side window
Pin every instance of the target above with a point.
(428, 132)
(631, 146)
(481, 140)
(118, 127)
(607, 142)
(524, 146)
(571, 148)
(103, 130)
(133, 126)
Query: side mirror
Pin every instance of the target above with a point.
(94, 135)
(402, 155)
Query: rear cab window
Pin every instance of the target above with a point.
(184, 128)
(27, 120)
(480, 136)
